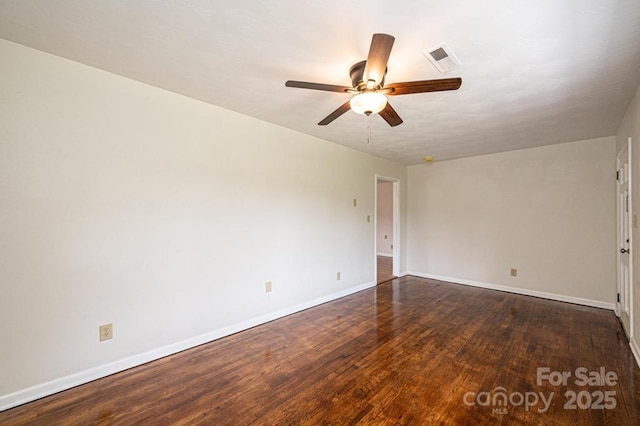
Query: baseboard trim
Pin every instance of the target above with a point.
(522, 291)
(635, 350)
(385, 254)
(58, 385)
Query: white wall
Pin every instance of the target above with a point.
(384, 218)
(123, 203)
(549, 212)
(630, 127)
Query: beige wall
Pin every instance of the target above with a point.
(385, 218)
(548, 212)
(630, 127)
(123, 203)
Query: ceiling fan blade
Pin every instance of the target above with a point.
(423, 86)
(379, 52)
(317, 86)
(390, 115)
(335, 114)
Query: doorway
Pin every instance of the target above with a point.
(624, 224)
(386, 229)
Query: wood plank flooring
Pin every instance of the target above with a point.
(385, 269)
(409, 351)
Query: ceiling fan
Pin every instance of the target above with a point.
(368, 88)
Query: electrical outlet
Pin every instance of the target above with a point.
(338, 276)
(267, 287)
(106, 332)
(514, 272)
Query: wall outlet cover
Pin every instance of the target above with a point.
(106, 332)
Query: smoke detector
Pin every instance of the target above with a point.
(442, 57)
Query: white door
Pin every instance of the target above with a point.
(624, 239)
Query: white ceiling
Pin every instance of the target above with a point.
(533, 72)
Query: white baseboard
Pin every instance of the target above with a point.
(63, 383)
(385, 254)
(635, 350)
(523, 291)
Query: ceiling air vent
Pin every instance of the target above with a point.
(442, 57)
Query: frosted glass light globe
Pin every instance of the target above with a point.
(368, 103)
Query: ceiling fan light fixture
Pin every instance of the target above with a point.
(369, 88)
(368, 103)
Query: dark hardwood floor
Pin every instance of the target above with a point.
(385, 269)
(409, 351)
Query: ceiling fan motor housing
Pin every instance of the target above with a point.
(357, 76)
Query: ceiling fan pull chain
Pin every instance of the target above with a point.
(369, 129)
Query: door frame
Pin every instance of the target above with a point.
(396, 226)
(619, 244)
